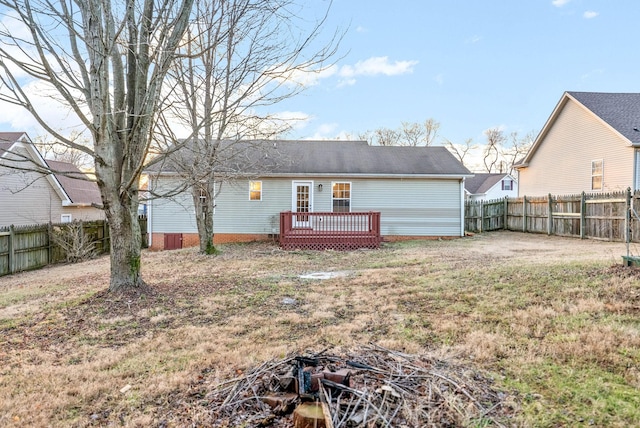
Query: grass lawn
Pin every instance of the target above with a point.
(555, 322)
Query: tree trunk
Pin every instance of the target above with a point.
(125, 244)
(125, 238)
(203, 203)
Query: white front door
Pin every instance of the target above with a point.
(302, 202)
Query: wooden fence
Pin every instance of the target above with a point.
(610, 216)
(32, 247)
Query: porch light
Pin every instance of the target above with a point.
(319, 187)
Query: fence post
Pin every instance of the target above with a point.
(481, 216)
(506, 213)
(106, 243)
(524, 213)
(550, 215)
(583, 214)
(49, 243)
(11, 251)
(627, 218)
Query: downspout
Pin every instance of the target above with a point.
(462, 207)
(149, 212)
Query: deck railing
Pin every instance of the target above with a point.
(325, 230)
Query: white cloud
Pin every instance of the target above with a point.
(592, 74)
(346, 82)
(347, 73)
(473, 39)
(296, 119)
(55, 113)
(377, 65)
(304, 78)
(328, 131)
(559, 3)
(361, 29)
(590, 14)
(327, 128)
(439, 79)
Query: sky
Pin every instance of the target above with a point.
(470, 65)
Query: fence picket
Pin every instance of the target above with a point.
(596, 216)
(30, 247)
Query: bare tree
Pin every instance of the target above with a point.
(491, 152)
(366, 136)
(412, 134)
(516, 149)
(237, 57)
(386, 137)
(54, 150)
(105, 61)
(461, 151)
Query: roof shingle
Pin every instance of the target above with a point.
(481, 183)
(287, 157)
(75, 183)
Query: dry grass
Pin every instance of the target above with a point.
(549, 318)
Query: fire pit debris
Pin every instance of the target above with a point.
(370, 387)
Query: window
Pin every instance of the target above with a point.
(597, 174)
(65, 218)
(341, 197)
(507, 184)
(255, 190)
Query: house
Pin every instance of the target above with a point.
(487, 187)
(34, 190)
(419, 191)
(590, 143)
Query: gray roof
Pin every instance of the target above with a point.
(7, 139)
(481, 183)
(75, 183)
(620, 110)
(289, 157)
(10, 137)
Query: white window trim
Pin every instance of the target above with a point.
(601, 175)
(350, 193)
(255, 181)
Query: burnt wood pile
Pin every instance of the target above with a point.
(367, 387)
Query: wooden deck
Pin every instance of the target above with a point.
(329, 231)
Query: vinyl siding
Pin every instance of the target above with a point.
(235, 213)
(27, 198)
(562, 163)
(170, 215)
(496, 192)
(409, 207)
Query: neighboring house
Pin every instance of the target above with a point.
(58, 193)
(419, 191)
(487, 187)
(590, 143)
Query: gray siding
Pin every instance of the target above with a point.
(409, 207)
(235, 213)
(28, 198)
(170, 215)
